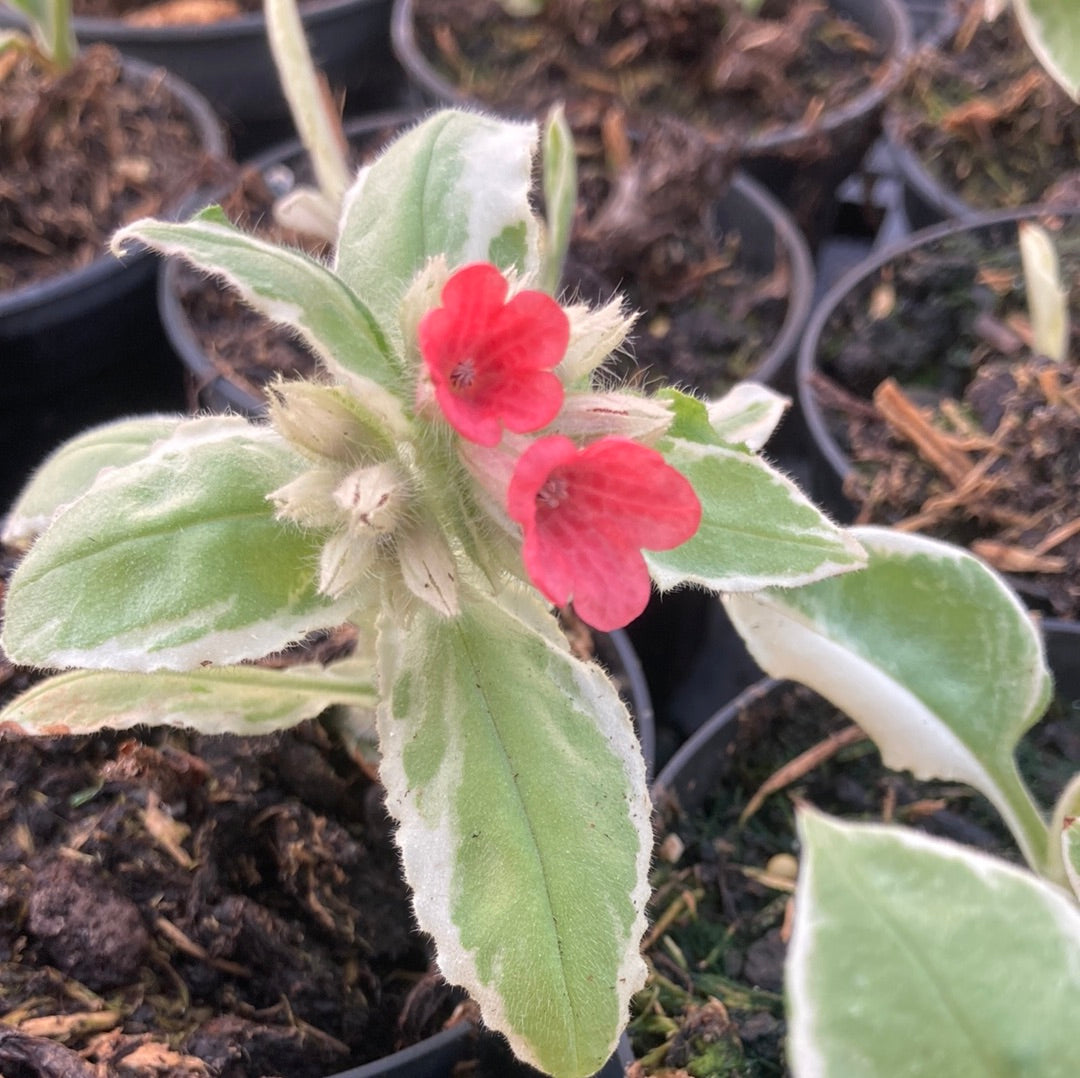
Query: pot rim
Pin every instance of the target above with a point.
(807, 360)
(802, 276)
(250, 24)
(211, 133)
(894, 65)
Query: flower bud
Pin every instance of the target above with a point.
(308, 499)
(345, 560)
(428, 567)
(586, 416)
(595, 332)
(374, 498)
(317, 421)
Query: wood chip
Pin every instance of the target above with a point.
(65, 1027)
(910, 422)
(1015, 559)
(803, 764)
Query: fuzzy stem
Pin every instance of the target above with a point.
(319, 130)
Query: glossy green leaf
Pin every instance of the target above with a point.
(287, 286)
(1052, 30)
(70, 469)
(757, 528)
(456, 185)
(519, 788)
(171, 562)
(929, 651)
(917, 957)
(214, 700)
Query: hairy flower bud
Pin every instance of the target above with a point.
(319, 421)
(374, 498)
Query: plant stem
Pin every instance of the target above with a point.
(319, 129)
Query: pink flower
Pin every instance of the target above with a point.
(490, 361)
(587, 513)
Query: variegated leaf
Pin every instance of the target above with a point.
(929, 651)
(173, 561)
(519, 788)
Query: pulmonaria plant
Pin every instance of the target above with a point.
(456, 469)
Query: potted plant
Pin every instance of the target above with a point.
(791, 92)
(439, 486)
(928, 388)
(876, 936)
(987, 118)
(90, 141)
(221, 49)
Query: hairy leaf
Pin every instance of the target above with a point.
(519, 787)
(928, 650)
(911, 955)
(173, 561)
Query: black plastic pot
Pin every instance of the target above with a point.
(831, 464)
(801, 163)
(927, 199)
(87, 345)
(688, 778)
(230, 62)
(436, 1057)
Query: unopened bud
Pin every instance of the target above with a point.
(316, 420)
(374, 498)
(345, 561)
(586, 416)
(309, 499)
(428, 567)
(595, 332)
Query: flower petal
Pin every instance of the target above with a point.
(585, 515)
(489, 361)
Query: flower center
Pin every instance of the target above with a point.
(463, 375)
(553, 493)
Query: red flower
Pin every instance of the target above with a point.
(490, 361)
(587, 513)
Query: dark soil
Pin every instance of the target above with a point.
(994, 461)
(175, 905)
(984, 118)
(710, 62)
(645, 227)
(81, 154)
(721, 906)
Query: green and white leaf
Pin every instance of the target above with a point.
(50, 24)
(173, 561)
(757, 528)
(1047, 297)
(929, 651)
(456, 185)
(1052, 30)
(1070, 854)
(560, 195)
(912, 955)
(1062, 854)
(214, 700)
(286, 286)
(70, 470)
(515, 775)
(747, 414)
